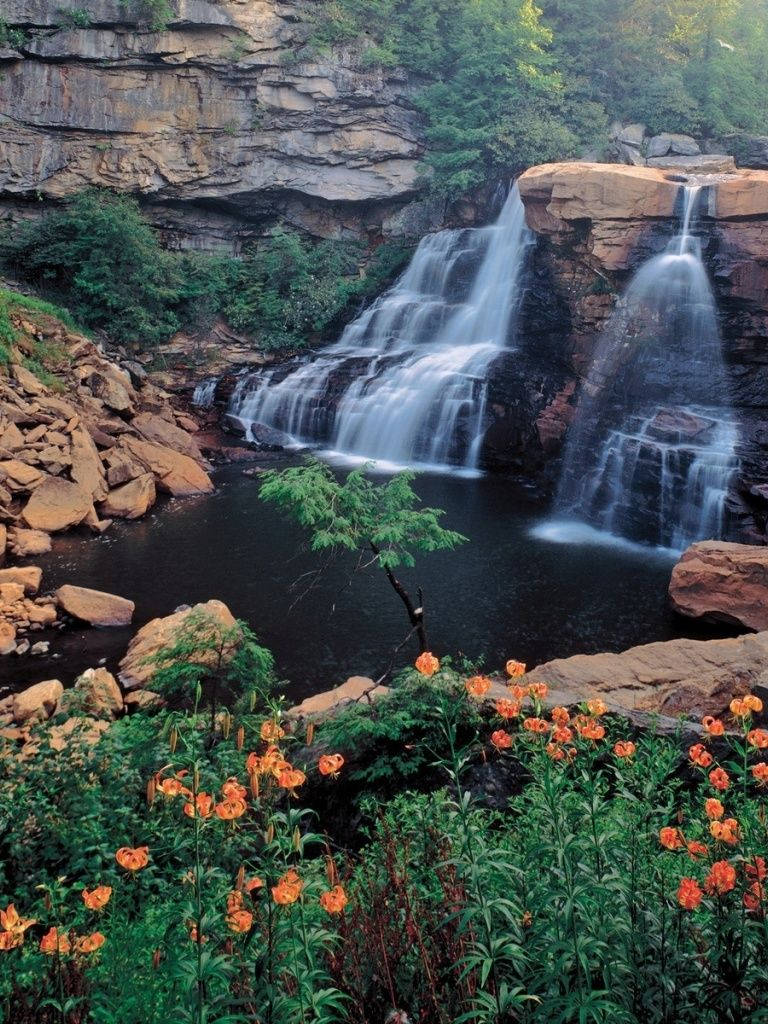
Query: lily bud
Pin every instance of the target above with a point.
(173, 739)
(226, 724)
(296, 839)
(240, 880)
(196, 780)
(240, 737)
(255, 785)
(269, 835)
(310, 733)
(330, 871)
(151, 789)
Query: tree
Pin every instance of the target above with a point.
(381, 522)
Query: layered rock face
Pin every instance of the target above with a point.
(224, 120)
(595, 225)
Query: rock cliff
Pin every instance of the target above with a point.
(220, 123)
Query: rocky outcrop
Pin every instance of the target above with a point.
(96, 693)
(691, 677)
(94, 606)
(221, 122)
(721, 582)
(138, 665)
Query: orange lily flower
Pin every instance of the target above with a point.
(427, 664)
(240, 921)
(334, 900)
(501, 739)
(719, 779)
(699, 755)
(52, 943)
(204, 804)
(97, 898)
(689, 894)
(538, 690)
(721, 878)
(132, 859)
(228, 810)
(233, 790)
(712, 726)
(330, 764)
(624, 748)
(514, 669)
(477, 686)
(758, 738)
(271, 732)
(288, 888)
(713, 808)
(89, 943)
(760, 773)
(670, 838)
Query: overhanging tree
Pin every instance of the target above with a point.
(384, 523)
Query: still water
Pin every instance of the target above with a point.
(509, 592)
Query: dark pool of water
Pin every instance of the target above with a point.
(503, 594)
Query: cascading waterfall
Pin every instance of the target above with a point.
(652, 449)
(406, 382)
(205, 392)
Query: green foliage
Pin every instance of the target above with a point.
(75, 17)
(391, 742)
(358, 513)
(156, 14)
(7, 332)
(99, 256)
(99, 253)
(12, 37)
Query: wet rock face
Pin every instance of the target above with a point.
(224, 118)
(720, 582)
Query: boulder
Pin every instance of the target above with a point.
(142, 700)
(37, 703)
(632, 134)
(56, 505)
(174, 473)
(96, 692)
(721, 582)
(131, 500)
(11, 592)
(137, 667)
(693, 677)
(7, 637)
(87, 469)
(27, 543)
(29, 576)
(154, 428)
(323, 705)
(20, 474)
(95, 606)
(669, 142)
(113, 387)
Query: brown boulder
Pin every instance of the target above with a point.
(137, 667)
(142, 700)
(7, 637)
(694, 677)
(323, 705)
(26, 543)
(722, 582)
(174, 473)
(87, 469)
(29, 576)
(95, 692)
(19, 474)
(154, 428)
(56, 505)
(132, 499)
(95, 606)
(37, 703)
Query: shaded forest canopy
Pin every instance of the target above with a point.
(509, 83)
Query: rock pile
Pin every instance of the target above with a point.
(97, 446)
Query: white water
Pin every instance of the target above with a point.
(406, 382)
(205, 392)
(652, 450)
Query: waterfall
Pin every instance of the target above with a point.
(205, 392)
(406, 382)
(652, 449)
